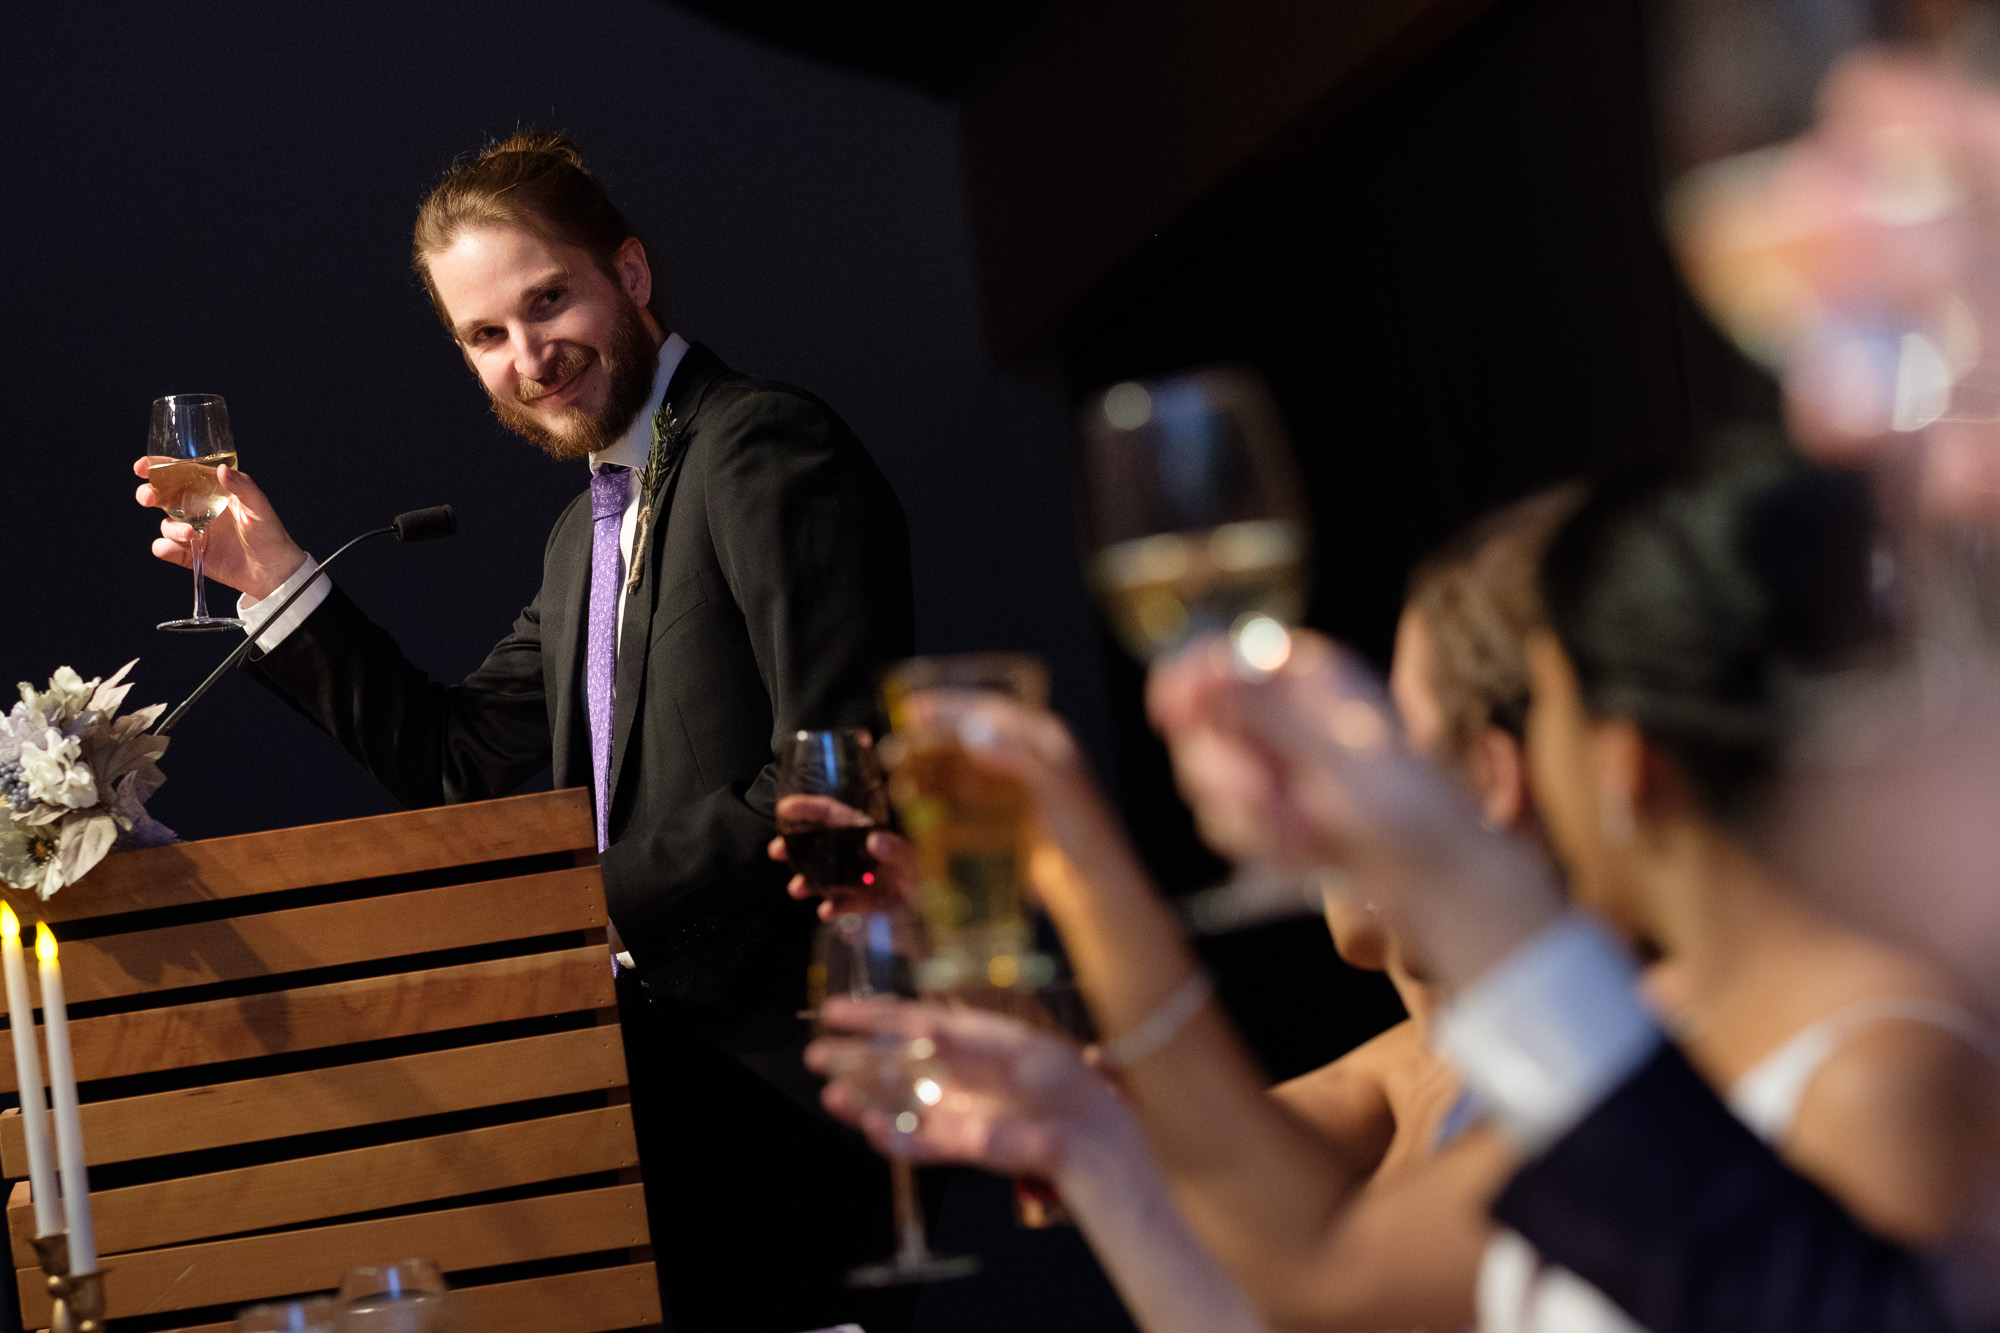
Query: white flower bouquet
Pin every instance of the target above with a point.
(74, 780)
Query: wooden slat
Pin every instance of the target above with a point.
(597, 1300)
(273, 943)
(339, 1097)
(255, 863)
(311, 1017)
(359, 1180)
(250, 1268)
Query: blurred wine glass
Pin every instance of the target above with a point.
(319, 1314)
(1196, 515)
(187, 440)
(1196, 522)
(407, 1296)
(1831, 183)
(861, 955)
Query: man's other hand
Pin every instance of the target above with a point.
(246, 546)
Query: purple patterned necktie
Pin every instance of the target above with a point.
(600, 669)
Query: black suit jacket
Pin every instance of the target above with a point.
(775, 586)
(1675, 1210)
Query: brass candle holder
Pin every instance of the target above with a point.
(78, 1297)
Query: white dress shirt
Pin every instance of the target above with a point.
(1550, 1031)
(630, 449)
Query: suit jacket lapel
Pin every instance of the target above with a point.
(697, 371)
(566, 599)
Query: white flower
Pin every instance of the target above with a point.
(26, 855)
(67, 695)
(56, 773)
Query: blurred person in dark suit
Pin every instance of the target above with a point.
(737, 569)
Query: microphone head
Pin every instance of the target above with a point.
(420, 525)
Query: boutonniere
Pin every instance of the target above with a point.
(667, 432)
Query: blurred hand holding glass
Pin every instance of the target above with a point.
(188, 439)
(1833, 172)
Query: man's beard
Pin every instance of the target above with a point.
(629, 365)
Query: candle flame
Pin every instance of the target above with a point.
(45, 942)
(10, 925)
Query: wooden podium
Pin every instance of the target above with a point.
(353, 1043)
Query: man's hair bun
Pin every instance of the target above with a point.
(539, 142)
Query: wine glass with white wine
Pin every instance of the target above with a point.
(1197, 524)
(188, 440)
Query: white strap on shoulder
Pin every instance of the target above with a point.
(1767, 1097)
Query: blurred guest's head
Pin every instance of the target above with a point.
(1460, 682)
(1683, 610)
(1460, 672)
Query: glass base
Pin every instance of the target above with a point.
(197, 624)
(903, 1271)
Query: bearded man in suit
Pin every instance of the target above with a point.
(738, 569)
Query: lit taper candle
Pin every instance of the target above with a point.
(62, 1090)
(28, 1074)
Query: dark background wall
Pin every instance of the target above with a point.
(1457, 292)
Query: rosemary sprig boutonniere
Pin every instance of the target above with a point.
(667, 432)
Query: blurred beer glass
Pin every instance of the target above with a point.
(971, 829)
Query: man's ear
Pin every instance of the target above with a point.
(635, 272)
(1499, 766)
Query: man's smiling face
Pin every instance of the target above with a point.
(565, 350)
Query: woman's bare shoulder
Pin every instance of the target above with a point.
(1901, 1122)
(1348, 1099)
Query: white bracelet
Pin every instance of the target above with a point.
(1158, 1028)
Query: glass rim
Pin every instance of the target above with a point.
(967, 671)
(189, 400)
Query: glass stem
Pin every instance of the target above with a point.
(911, 1247)
(200, 588)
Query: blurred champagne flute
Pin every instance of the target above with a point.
(1196, 522)
(188, 440)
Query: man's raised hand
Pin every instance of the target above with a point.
(247, 546)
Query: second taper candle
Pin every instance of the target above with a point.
(69, 1124)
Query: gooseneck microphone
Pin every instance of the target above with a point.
(419, 525)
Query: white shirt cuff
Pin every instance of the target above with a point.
(246, 609)
(1551, 1031)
